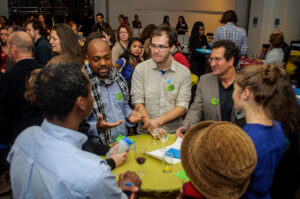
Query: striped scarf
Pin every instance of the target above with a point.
(114, 75)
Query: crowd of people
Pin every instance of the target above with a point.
(62, 103)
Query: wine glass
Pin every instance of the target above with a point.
(163, 135)
(140, 155)
(154, 134)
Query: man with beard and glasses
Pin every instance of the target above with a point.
(161, 87)
(110, 92)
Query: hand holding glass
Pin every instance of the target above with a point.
(154, 134)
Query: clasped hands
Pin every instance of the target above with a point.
(130, 177)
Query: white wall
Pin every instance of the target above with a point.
(266, 11)
(101, 6)
(4, 8)
(207, 11)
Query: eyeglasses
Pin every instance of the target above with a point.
(159, 47)
(216, 59)
(123, 32)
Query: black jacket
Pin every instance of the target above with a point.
(42, 51)
(16, 113)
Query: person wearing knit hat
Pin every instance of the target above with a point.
(219, 158)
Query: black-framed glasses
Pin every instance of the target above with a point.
(216, 59)
(159, 47)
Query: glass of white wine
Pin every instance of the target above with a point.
(163, 135)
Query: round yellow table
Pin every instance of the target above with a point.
(155, 180)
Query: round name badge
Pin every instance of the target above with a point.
(171, 87)
(119, 96)
(214, 101)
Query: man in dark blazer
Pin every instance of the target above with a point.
(213, 99)
(16, 114)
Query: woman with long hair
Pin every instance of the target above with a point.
(132, 57)
(64, 41)
(123, 36)
(145, 36)
(269, 103)
(181, 26)
(166, 20)
(198, 40)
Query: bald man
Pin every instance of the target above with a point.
(16, 114)
(285, 47)
(110, 93)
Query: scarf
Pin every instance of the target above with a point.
(105, 135)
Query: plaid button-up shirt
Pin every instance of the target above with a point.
(236, 34)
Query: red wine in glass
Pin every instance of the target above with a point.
(140, 160)
(140, 155)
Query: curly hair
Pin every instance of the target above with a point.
(231, 50)
(271, 88)
(57, 87)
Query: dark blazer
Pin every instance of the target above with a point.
(100, 27)
(16, 113)
(202, 108)
(42, 51)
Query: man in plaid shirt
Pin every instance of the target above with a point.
(232, 32)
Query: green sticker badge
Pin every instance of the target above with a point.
(171, 87)
(214, 101)
(119, 96)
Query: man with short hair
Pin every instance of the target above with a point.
(100, 25)
(161, 86)
(232, 32)
(213, 99)
(11, 29)
(42, 49)
(16, 113)
(110, 92)
(47, 161)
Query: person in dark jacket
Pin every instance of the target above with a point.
(197, 40)
(42, 49)
(16, 114)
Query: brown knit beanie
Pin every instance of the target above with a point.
(219, 158)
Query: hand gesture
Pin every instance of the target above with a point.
(119, 158)
(102, 125)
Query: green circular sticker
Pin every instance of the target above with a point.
(171, 87)
(214, 101)
(119, 96)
